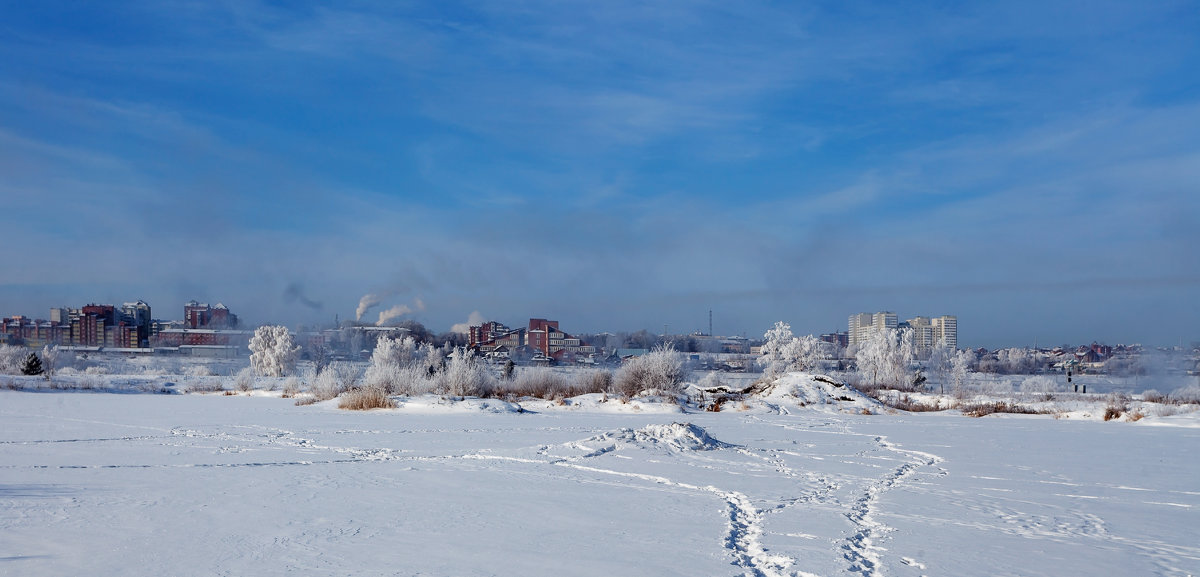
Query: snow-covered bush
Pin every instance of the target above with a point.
(546, 383)
(291, 387)
(389, 363)
(1153, 396)
(244, 381)
(96, 370)
(883, 360)
(660, 371)
(597, 381)
(540, 382)
(1188, 394)
(464, 375)
(1039, 384)
(273, 351)
(198, 371)
(333, 380)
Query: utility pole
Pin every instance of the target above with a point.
(710, 333)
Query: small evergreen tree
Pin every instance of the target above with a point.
(32, 366)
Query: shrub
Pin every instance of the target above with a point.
(291, 387)
(465, 376)
(1185, 395)
(1153, 396)
(1039, 384)
(363, 398)
(198, 371)
(598, 381)
(539, 382)
(244, 381)
(1118, 404)
(333, 380)
(660, 371)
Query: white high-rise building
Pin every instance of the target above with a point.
(945, 330)
(928, 333)
(863, 324)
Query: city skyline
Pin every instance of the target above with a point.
(1029, 168)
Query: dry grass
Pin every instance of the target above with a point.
(984, 409)
(306, 400)
(364, 398)
(547, 384)
(907, 403)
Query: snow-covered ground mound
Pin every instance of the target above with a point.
(673, 437)
(819, 392)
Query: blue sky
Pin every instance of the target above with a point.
(1031, 167)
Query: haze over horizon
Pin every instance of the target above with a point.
(1031, 168)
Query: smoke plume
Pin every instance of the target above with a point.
(474, 319)
(399, 311)
(295, 292)
(368, 302)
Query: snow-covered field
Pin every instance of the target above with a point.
(204, 484)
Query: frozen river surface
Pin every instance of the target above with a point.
(104, 484)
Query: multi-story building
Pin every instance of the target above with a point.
(841, 340)
(862, 325)
(945, 331)
(928, 333)
(20, 330)
(543, 337)
(201, 316)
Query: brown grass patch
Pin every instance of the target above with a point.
(984, 409)
(364, 398)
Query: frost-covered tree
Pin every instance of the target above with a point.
(1016, 361)
(777, 350)
(273, 351)
(941, 360)
(883, 359)
(782, 352)
(50, 359)
(12, 359)
(959, 366)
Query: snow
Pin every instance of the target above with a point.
(798, 483)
